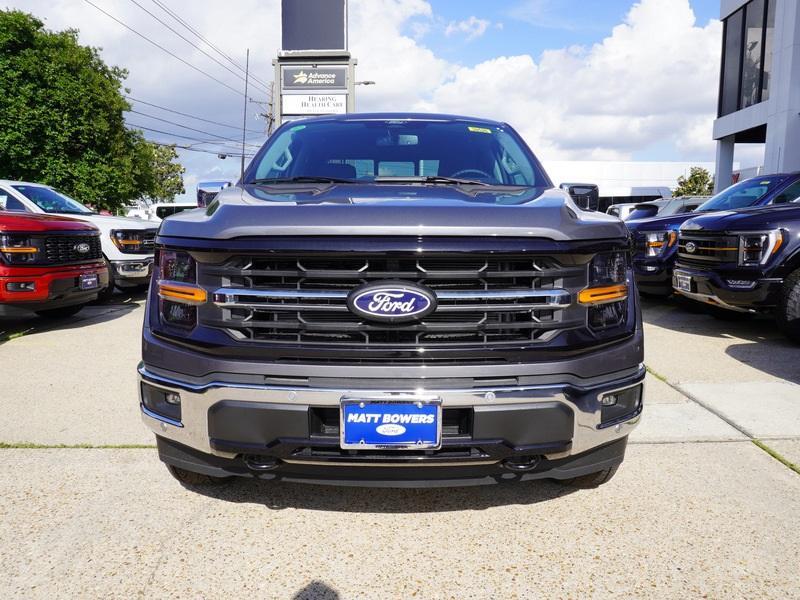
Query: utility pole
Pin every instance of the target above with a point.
(244, 111)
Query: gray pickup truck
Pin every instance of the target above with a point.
(393, 300)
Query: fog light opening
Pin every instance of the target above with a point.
(173, 398)
(21, 286)
(609, 400)
(620, 405)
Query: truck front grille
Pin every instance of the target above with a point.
(482, 301)
(63, 249)
(707, 249)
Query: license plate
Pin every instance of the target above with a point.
(89, 282)
(683, 282)
(391, 424)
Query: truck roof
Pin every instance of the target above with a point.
(34, 223)
(404, 116)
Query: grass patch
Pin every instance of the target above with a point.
(657, 375)
(33, 446)
(780, 458)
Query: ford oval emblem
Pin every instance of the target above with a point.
(82, 248)
(392, 301)
(691, 247)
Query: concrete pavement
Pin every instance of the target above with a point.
(696, 510)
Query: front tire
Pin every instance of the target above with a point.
(192, 479)
(106, 294)
(788, 313)
(591, 480)
(60, 313)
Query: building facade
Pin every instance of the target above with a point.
(759, 87)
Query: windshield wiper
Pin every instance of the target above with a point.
(431, 179)
(302, 179)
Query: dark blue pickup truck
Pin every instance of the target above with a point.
(655, 239)
(744, 261)
(396, 300)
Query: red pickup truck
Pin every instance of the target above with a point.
(49, 264)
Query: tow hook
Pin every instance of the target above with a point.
(260, 463)
(520, 464)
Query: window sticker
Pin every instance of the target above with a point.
(479, 129)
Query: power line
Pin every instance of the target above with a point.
(160, 47)
(178, 135)
(191, 43)
(191, 128)
(183, 114)
(205, 40)
(204, 151)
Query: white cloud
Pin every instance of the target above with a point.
(472, 28)
(652, 81)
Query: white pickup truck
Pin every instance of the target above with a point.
(127, 243)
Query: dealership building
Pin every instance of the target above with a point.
(759, 87)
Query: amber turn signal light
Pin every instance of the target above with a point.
(602, 295)
(178, 292)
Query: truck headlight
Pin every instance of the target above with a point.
(757, 248)
(656, 243)
(20, 250)
(131, 241)
(607, 293)
(178, 292)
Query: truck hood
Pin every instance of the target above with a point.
(35, 223)
(659, 223)
(393, 209)
(748, 219)
(106, 222)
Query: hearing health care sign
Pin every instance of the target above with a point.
(314, 104)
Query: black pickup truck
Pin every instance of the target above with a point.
(744, 261)
(393, 299)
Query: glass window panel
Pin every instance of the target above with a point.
(768, 44)
(751, 66)
(731, 66)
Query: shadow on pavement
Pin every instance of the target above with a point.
(18, 322)
(277, 495)
(755, 341)
(317, 590)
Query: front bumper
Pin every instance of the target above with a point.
(132, 272)
(53, 287)
(653, 275)
(514, 432)
(713, 288)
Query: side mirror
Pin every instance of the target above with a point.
(585, 195)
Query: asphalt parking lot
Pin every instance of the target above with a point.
(707, 503)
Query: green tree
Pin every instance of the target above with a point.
(699, 183)
(61, 119)
(162, 177)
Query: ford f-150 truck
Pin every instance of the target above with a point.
(745, 261)
(397, 300)
(127, 243)
(655, 248)
(50, 265)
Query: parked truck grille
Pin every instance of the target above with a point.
(707, 249)
(61, 249)
(482, 301)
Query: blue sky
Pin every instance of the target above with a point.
(531, 26)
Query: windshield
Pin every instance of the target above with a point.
(741, 195)
(384, 151)
(50, 201)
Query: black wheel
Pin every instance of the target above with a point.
(106, 294)
(788, 313)
(191, 479)
(60, 313)
(590, 481)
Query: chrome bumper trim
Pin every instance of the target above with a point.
(196, 400)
